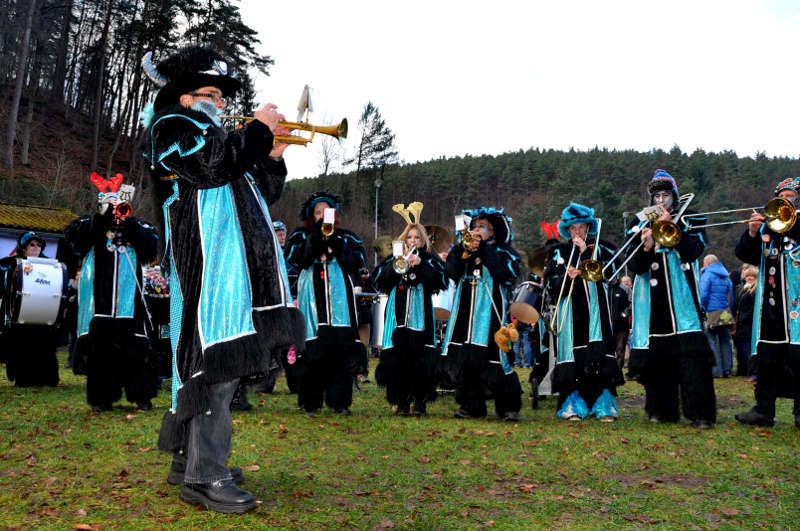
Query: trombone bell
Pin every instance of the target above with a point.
(666, 233)
(591, 270)
(780, 214)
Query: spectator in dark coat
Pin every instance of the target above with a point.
(743, 312)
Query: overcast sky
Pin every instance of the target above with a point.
(462, 77)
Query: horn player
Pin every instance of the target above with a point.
(671, 354)
(586, 372)
(776, 355)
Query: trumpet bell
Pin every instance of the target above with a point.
(401, 265)
(780, 214)
(591, 270)
(666, 233)
(327, 229)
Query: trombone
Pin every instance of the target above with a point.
(591, 270)
(666, 233)
(780, 215)
(337, 131)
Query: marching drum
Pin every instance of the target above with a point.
(376, 331)
(36, 290)
(443, 302)
(526, 303)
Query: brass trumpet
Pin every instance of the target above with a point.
(337, 131)
(327, 230)
(780, 215)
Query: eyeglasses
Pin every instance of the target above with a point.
(216, 98)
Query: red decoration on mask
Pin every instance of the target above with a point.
(106, 185)
(551, 229)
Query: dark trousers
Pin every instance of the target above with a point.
(783, 372)
(504, 388)
(671, 381)
(108, 372)
(208, 438)
(328, 378)
(620, 342)
(742, 347)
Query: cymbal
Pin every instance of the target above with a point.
(537, 259)
(440, 237)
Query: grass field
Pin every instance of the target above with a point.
(64, 467)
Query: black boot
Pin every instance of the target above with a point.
(219, 496)
(754, 418)
(240, 401)
(178, 469)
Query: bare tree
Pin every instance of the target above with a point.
(376, 146)
(23, 57)
(98, 105)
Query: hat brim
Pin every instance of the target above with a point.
(172, 91)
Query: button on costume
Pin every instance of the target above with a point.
(670, 351)
(229, 294)
(410, 350)
(112, 348)
(472, 359)
(325, 297)
(776, 316)
(586, 372)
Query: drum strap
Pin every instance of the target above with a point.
(139, 287)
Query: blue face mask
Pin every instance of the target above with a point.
(210, 109)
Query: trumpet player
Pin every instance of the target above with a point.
(586, 372)
(776, 321)
(670, 353)
(409, 353)
(230, 302)
(483, 271)
(327, 256)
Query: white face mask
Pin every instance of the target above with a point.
(210, 109)
(663, 199)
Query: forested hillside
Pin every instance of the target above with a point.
(535, 185)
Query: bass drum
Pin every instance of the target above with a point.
(527, 303)
(378, 314)
(36, 291)
(443, 302)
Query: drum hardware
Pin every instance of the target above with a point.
(780, 215)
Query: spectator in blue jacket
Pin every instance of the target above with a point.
(716, 293)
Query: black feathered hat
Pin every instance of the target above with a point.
(307, 208)
(188, 69)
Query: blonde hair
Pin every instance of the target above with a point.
(422, 232)
(749, 270)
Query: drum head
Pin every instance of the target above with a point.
(525, 303)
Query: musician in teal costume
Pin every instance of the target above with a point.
(410, 350)
(229, 294)
(586, 372)
(113, 349)
(670, 353)
(29, 351)
(325, 297)
(483, 275)
(776, 315)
